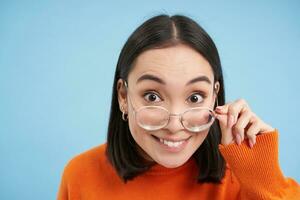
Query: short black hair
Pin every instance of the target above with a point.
(162, 31)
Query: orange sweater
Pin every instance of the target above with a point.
(253, 174)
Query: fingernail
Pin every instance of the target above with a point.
(251, 144)
(238, 139)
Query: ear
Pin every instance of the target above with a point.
(122, 95)
(217, 88)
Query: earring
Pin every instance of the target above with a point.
(124, 116)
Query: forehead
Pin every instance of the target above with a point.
(172, 64)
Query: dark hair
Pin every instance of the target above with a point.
(159, 32)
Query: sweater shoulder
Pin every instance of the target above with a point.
(91, 160)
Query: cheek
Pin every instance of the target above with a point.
(142, 138)
(133, 127)
(139, 135)
(209, 102)
(198, 139)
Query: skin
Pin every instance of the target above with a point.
(176, 66)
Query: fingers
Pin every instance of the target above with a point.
(238, 122)
(239, 128)
(227, 136)
(237, 107)
(233, 110)
(238, 116)
(252, 131)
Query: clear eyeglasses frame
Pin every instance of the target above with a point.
(152, 118)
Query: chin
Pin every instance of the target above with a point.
(172, 165)
(172, 162)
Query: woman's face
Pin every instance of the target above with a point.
(176, 78)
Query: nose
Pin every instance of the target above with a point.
(174, 124)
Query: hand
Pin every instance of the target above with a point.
(238, 122)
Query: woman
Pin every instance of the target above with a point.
(170, 134)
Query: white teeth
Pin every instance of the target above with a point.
(170, 144)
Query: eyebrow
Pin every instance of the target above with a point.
(199, 79)
(159, 80)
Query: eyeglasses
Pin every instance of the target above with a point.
(153, 118)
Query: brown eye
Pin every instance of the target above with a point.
(196, 98)
(151, 97)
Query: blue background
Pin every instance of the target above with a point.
(57, 61)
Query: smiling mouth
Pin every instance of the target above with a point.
(169, 143)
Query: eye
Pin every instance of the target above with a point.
(196, 98)
(151, 97)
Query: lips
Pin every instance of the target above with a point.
(171, 139)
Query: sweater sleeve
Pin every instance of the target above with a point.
(258, 170)
(63, 190)
(70, 182)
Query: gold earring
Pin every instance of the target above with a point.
(124, 116)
